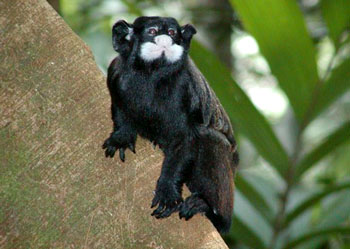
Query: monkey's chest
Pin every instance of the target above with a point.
(155, 111)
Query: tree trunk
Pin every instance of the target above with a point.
(57, 190)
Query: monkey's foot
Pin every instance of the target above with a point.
(191, 206)
(119, 141)
(168, 198)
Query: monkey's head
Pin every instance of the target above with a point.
(153, 38)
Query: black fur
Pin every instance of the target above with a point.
(172, 105)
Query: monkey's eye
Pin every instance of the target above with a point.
(171, 32)
(152, 31)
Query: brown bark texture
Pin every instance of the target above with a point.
(57, 190)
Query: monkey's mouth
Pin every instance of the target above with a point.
(162, 46)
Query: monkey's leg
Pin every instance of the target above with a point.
(169, 185)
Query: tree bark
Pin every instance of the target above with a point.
(57, 190)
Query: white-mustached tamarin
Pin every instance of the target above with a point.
(158, 93)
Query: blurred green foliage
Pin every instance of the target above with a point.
(293, 186)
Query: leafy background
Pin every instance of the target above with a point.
(281, 68)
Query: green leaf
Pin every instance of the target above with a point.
(336, 211)
(254, 197)
(248, 225)
(331, 212)
(279, 28)
(311, 201)
(242, 112)
(317, 233)
(243, 234)
(332, 142)
(337, 17)
(334, 87)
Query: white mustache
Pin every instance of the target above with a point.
(163, 44)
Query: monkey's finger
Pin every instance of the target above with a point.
(183, 211)
(105, 144)
(190, 213)
(122, 154)
(158, 210)
(113, 150)
(179, 201)
(107, 152)
(132, 147)
(167, 212)
(154, 201)
(181, 215)
(178, 207)
(110, 151)
(187, 212)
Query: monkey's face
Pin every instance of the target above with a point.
(159, 38)
(156, 38)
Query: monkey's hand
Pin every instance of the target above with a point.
(167, 197)
(119, 140)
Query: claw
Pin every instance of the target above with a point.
(154, 144)
(190, 215)
(112, 151)
(154, 201)
(181, 213)
(105, 144)
(168, 211)
(158, 210)
(132, 147)
(122, 154)
(179, 201)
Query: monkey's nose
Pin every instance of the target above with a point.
(163, 40)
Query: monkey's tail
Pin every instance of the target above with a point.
(213, 178)
(221, 223)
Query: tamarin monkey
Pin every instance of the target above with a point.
(159, 93)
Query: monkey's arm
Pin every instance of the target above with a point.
(123, 135)
(205, 108)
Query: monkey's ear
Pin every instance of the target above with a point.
(121, 34)
(187, 31)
